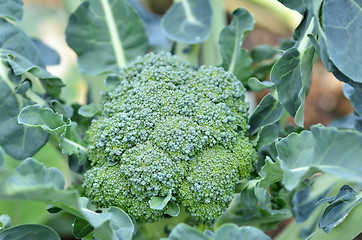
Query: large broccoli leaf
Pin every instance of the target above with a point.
(106, 34)
(32, 181)
(325, 149)
(12, 9)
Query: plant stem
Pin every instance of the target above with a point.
(189, 53)
(210, 49)
(303, 44)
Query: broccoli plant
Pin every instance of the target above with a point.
(169, 147)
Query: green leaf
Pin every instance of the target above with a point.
(257, 86)
(320, 43)
(44, 118)
(5, 222)
(247, 196)
(118, 225)
(183, 231)
(233, 232)
(159, 203)
(325, 149)
(88, 110)
(270, 173)
(16, 40)
(65, 110)
(354, 93)
(267, 135)
(173, 209)
(338, 208)
(348, 229)
(32, 181)
(294, 5)
(16, 140)
(291, 75)
(12, 9)
(42, 81)
(81, 228)
(32, 174)
(106, 35)
(29, 231)
(267, 112)
(49, 55)
(52, 209)
(72, 143)
(304, 200)
(262, 53)
(343, 33)
(236, 59)
(188, 21)
(112, 81)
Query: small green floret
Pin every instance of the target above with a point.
(169, 128)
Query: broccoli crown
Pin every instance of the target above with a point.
(168, 127)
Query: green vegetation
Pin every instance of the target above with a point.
(170, 150)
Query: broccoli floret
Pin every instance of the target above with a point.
(169, 128)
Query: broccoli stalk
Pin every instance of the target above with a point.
(167, 128)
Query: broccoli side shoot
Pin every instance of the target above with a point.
(169, 128)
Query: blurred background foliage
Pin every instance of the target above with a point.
(47, 19)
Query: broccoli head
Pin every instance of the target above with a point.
(169, 128)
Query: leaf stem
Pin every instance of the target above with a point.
(78, 146)
(113, 31)
(189, 53)
(303, 44)
(210, 52)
